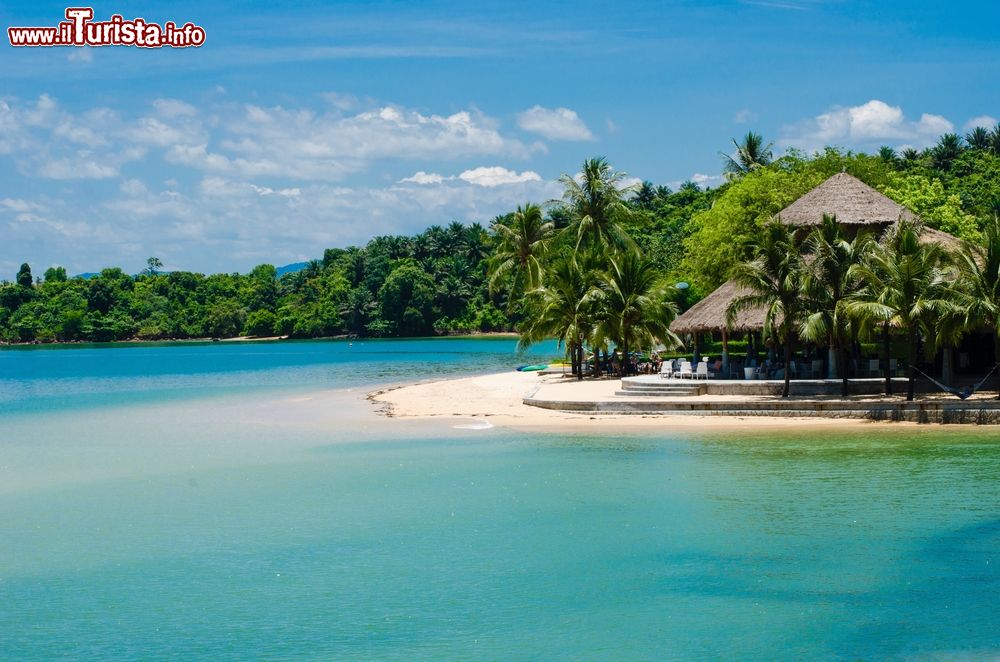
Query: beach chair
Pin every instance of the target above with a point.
(667, 370)
(686, 370)
(702, 370)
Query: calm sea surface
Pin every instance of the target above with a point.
(240, 501)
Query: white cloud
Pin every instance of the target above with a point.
(81, 54)
(20, 206)
(554, 124)
(985, 121)
(744, 115)
(703, 180)
(421, 177)
(76, 169)
(174, 108)
(497, 176)
(869, 124)
(222, 185)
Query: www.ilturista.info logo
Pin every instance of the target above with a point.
(79, 29)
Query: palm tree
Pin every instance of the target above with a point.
(910, 155)
(887, 154)
(995, 140)
(598, 206)
(827, 283)
(751, 154)
(645, 195)
(561, 309)
(948, 148)
(520, 245)
(980, 269)
(978, 138)
(633, 306)
(773, 279)
(905, 287)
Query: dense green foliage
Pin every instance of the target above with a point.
(434, 282)
(467, 278)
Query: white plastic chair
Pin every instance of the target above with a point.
(702, 371)
(667, 370)
(686, 370)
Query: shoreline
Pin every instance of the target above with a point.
(498, 399)
(141, 341)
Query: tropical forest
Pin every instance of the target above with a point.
(609, 264)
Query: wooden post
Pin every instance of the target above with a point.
(725, 353)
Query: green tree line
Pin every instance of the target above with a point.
(466, 278)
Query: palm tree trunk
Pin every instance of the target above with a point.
(887, 348)
(911, 375)
(788, 363)
(842, 367)
(725, 353)
(571, 347)
(579, 360)
(996, 356)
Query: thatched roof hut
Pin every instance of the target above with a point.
(709, 314)
(853, 201)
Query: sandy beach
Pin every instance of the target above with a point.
(497, 398)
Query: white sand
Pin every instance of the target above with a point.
(498, 399)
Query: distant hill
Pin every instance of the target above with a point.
(291, 268)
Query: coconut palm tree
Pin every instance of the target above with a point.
(750, 154)
(980, 275)
(598, 206)
(978, 138)
(995, 140)
(645, 195)
(560, 308)
(905, 286)
(773, 279)
(827, 282)
(632, 306)
(887, 154)
(948, 148)
(520, 244)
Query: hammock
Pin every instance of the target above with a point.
(964, 394)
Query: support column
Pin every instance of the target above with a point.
(725, 353)
(947, 365)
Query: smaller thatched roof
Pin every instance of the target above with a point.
(853, 201)
(929, 235)
(709, 314)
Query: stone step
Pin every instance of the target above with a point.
(628, 386)
(691, 392)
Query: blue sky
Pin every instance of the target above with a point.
(296, 128)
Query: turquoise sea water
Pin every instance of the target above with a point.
(239, 502)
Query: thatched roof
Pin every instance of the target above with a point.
(853, 202)
(929, 235)
(709, 314)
